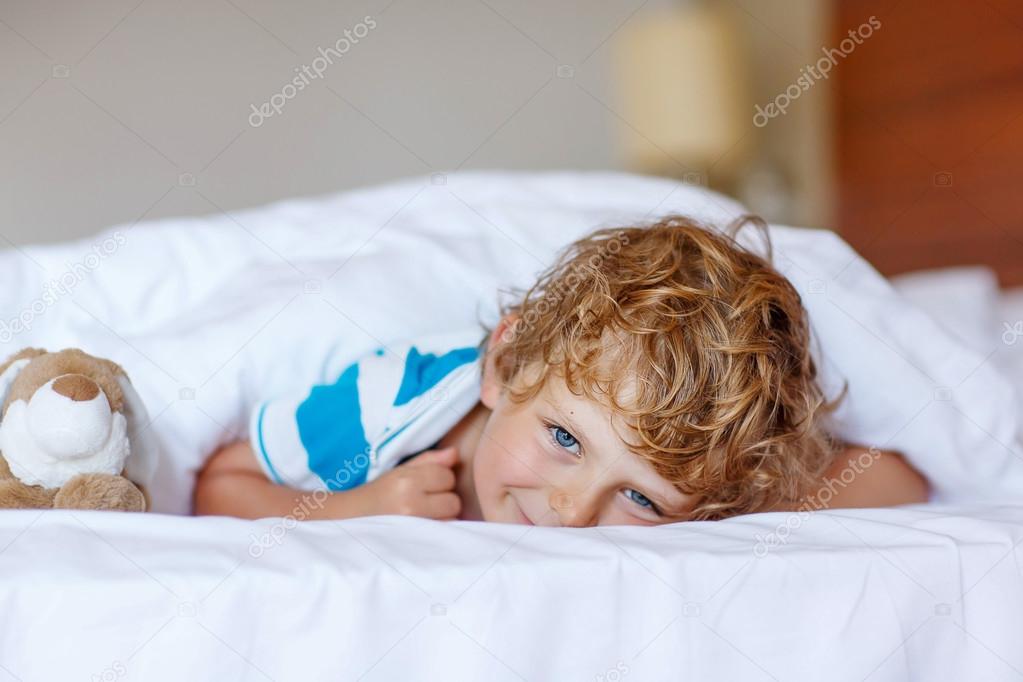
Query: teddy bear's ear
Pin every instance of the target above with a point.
(24, 353)
(11, 367)
(142, 443)
(8, 376)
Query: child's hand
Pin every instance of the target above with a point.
(425, 487)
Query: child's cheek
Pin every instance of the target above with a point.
(514, 458)
(522, 467)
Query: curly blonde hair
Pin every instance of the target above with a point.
(700, 345)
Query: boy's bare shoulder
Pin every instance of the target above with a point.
(877, 478)
(866, 477)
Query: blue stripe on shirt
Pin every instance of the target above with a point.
(262, 448)
(330, 427)
(423, 372)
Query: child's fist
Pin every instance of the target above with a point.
(425, 486)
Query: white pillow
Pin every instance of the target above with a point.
(913, 387)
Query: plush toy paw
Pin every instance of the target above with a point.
(16, 495)
(99, 491)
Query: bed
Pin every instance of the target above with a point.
(203, 312)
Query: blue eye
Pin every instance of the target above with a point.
(642, 500)
(561, 437)
(559, 432)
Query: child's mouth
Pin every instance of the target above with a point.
(525, 519)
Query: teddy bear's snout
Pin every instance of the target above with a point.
(76, 386)
(69, 416)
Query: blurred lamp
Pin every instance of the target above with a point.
(682, 78)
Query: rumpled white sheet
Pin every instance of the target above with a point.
(886, 595)
(206, 314)
(967, 302)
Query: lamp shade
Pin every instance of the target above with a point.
(683, 86)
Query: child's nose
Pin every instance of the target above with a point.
(577, 510)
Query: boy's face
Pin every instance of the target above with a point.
(558, 460)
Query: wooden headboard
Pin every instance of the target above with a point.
(929, 134)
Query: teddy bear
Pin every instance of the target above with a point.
(64, 434)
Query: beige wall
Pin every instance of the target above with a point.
(115, 111)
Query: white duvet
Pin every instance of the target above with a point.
(208, 314)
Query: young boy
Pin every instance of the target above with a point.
(652, 374)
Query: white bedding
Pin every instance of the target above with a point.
(853, 595)
(202, 314)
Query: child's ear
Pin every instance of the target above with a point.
(504, 329)
(492, 386)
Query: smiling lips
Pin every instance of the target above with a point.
(525, 519)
